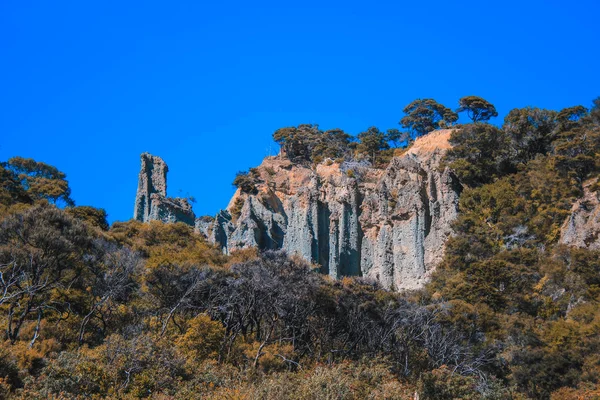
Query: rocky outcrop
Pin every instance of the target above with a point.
(390, 225)
(582, 227)
(151, 201)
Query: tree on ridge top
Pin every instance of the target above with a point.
(425, 115)
(477, 108)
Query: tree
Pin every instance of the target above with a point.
(292, 141)
(334, 144)
(11, 190)
(570, 118)
(425, 115)
(396, 137)
(110, 282)
(202, 339)
(531, 130)
(94, 216)
(41, 249)
(372, 142)
(308, 143)
(576, 151)
(595, 111)
(246, 182)
(477, 108)
(480, 153)
(41, 181)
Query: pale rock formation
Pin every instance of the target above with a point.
(582, 227)
(390, 225)
(151, 201)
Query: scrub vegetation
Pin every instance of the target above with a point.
(151, 310)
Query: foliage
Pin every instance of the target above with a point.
(372, 143)
(114, 303)
(40, 180)
(93, 216)
(202, 339)
(479, 154)
(577, 152)
(425, 115)
(246, 182)
(543, 297)
(532, 131)
(308, 143)
(442, 384)
(477, 108)
(11, 189)
(42, 252)
(151, 310)
(594, 115)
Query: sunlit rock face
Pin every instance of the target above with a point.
(582, 227)
(390, 225)
(151, 201)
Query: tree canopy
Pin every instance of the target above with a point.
(425, 115)
(372, 142)
(477, 108)
(479, 154)
(396, 136)
(307, 142)
(40, 180)
(532, 131)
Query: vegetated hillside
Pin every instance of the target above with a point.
(151, 310)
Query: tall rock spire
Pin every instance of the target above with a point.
(152, 179)
(151, 201)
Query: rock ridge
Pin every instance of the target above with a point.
(390, 225)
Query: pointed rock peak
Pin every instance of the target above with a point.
(151, 202)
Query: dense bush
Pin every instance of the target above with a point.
(544, 297)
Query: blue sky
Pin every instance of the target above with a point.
(88, 86)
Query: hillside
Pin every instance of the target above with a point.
(462, 263)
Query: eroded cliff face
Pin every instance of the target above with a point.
(582, 227)
(151, 201)
(390, 225)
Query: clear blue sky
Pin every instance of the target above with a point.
(88, 86)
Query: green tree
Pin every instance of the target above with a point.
(396, 137)
(576, 152)
(425, 115)
(92, 215)
(41, 250)
(480, 154)
(11, 190)
(595, 111)
(246, 182)
(334, 144)
(372, 142)
(571, 117)
(308, 143)
(477, 108)
(41, 181)
(577, 143)
(531, 130)
(294, 140)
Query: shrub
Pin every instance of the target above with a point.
(245, 182)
